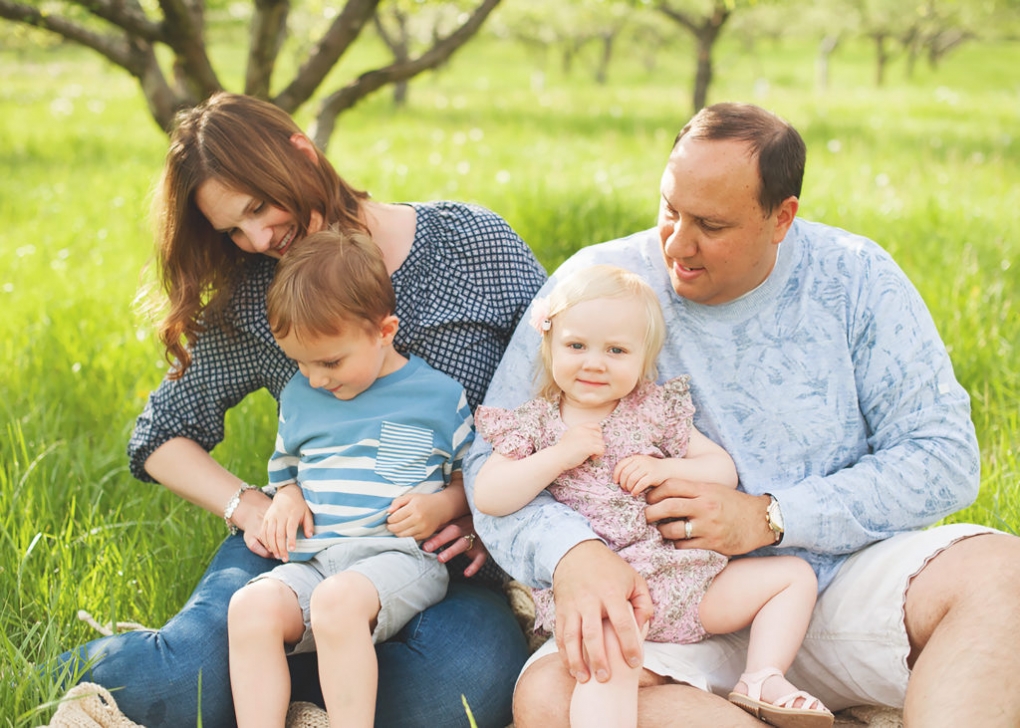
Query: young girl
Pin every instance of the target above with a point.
(600, 433)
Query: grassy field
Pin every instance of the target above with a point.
(930, 169)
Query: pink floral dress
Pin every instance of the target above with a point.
(652, 420)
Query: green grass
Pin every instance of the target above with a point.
(928, 168)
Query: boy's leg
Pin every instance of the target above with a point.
(263, 616)
(613, 703)
(344, 609)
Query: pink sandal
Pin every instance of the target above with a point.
(781, 713)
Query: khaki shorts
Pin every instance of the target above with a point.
(407, 579)
(856, 648)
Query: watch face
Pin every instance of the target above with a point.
(775, 517)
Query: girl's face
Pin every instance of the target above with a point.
(598, 351)
(253, 225)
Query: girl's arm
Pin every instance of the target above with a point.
(504, 485)
(704, 462)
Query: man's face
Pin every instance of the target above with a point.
(717, 241)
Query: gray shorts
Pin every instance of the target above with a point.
(408, 580)
(856, 648)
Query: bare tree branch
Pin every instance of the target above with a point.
(344, 31)
(185, 34)
(127, 15)
(352, 93)
(268, 30)
(112, 47)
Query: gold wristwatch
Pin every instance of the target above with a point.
(774, 517)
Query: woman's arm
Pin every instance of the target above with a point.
(184, 467)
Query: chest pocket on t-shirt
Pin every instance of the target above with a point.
(404, 452)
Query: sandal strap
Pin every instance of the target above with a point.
(755, 680)
(810, 701)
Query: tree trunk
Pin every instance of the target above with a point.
(706, 32)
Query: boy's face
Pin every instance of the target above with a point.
(346, 364)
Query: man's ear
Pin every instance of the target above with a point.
(784, 216)
(305, 146)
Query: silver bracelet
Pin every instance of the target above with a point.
(232, 504)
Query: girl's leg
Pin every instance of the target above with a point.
(612, 704)
(775, 596)
(262, 617)
(344, 609)
(155, 674)
(469, 644)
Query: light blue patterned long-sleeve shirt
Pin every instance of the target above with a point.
(828, 385)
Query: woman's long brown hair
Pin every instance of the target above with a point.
(244, 143)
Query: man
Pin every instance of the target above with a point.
(816, 365)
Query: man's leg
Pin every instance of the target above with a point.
(542, 700)
(963, 621)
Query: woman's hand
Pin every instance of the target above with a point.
(721, 519)
(458, 537)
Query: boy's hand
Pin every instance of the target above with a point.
(280, 524)
(638, 473)
(416, 515)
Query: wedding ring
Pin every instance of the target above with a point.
(470, 538)
(688, 531)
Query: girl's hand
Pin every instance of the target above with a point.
(415, 515)
(279, 527)
(459, 537)
(638, 473)
(581, 442)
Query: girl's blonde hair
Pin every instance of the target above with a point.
(329, 282)
(587, 284)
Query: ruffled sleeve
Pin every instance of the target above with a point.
(510, 432)
(677, 416)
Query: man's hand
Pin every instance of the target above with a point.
(591, 583)
(286, 513)
(722, 519)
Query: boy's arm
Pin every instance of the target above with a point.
(419, 515)
(286, 513)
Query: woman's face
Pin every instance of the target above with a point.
(253, 225)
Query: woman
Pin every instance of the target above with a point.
(241, 185)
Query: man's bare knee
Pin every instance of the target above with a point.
(542, 697)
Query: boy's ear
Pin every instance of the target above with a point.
(388, 328)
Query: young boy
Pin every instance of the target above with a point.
(367, 443)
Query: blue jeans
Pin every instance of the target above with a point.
(469, 643)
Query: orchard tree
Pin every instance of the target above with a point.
(704, 19)
(134, 34)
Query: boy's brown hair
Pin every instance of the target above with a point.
(327, 282)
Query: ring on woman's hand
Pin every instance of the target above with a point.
(470, 538)
(688, 530)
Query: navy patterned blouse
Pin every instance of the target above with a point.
(465, 284)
